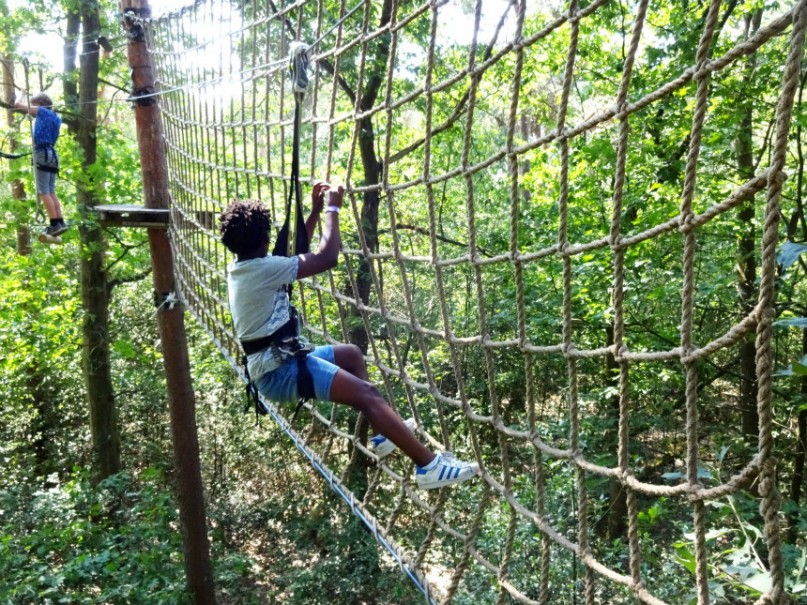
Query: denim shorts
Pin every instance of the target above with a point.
(45, 181)
(280, 385)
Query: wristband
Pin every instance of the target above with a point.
(333, 209)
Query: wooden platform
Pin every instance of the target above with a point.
(129, 215)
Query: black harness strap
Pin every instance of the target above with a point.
(48, 149)
(288, 336)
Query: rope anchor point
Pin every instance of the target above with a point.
(298, 66)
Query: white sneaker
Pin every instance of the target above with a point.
(383, 447)
(446, 470)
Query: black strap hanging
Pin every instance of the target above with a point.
(298, 73)
(301, 243)
(289, 334)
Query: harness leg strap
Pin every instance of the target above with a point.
(305, 384)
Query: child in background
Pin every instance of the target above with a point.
(46, 162)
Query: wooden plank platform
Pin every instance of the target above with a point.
(129, 215)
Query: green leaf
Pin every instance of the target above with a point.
(685, 557)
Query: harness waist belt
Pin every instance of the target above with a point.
(259, 344)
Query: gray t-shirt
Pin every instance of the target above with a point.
(259, 304)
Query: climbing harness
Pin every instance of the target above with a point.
(287, 337)
(51, 160)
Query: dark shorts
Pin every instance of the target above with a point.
(280, 385)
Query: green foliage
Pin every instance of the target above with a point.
(38, 333)
(71, 543)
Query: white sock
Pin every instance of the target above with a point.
(431, 464)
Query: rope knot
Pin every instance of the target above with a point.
(166, 300)
(687, 222)
(767, 483)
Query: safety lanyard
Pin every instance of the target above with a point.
(298, 64)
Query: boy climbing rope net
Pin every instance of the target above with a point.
(281, 363)
(46, 161)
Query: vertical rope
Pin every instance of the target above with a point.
(618, 252)
(688, 295)
(770, 505)
(563, 247)
(445, 434)
(515, 198)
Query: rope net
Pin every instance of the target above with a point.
(516, 265)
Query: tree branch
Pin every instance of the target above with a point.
(461, 105)
(442, 238)
(328, 67)
(113, 283)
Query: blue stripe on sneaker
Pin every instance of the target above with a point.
(442, 470)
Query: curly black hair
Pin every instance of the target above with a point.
(244, 226)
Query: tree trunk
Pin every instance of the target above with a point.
(746, 246)
(373, 169)
(94, 279)
(70, 46)
(45, 421)
(369, 225)
(617, 496)
(17, 187)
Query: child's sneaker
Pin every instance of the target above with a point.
(383, 447)
(59, 228)
(444, 470)
(49, 236)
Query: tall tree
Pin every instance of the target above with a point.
(746, 241)
(17, 186)
(95, 289)
(45, 420)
